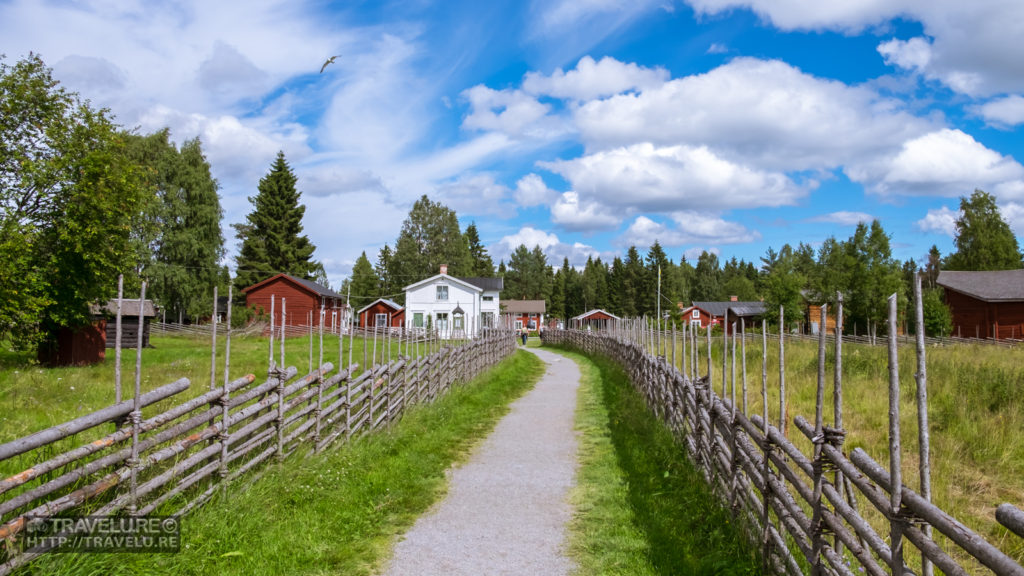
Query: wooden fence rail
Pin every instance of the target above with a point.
(804, 512)
(174, 461)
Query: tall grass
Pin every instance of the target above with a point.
(976, 415)
(334, 513)
(640, 506)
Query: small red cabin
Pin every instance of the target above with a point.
(302, 299)
(521, 314)
(594, 320)
(381, 313)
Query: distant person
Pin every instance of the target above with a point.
(525, 335)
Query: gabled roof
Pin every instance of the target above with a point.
(747, 310)
(461, 281)
(129, 307)
(594, 311)
(719, 308)
(389, 303)
(989, 286)
(307, 284)
(524, 306)
(486, 284)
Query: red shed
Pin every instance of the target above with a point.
(595, 319)
(696, 316)
(527, 314)
(986, 304)
(302, 298)
(380, 313)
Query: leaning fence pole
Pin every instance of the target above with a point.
(766, 496)
(224, 432)
(895, 474)
(213, 343)
(117, 340)
(922, 415)
(136, 415)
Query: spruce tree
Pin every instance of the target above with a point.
(271, 237)
(481, 264)
(365, 283)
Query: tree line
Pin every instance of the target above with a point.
(84, 200)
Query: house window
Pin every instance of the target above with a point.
(519, 324)
(695, 314)
(488, 298)
(442, 293)
(457, 322)
(487, 320)
(380, 320)
(417, 319)
(442, 321)
(696, 323)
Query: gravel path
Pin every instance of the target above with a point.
(506, 511)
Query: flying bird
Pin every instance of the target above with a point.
(329, 61)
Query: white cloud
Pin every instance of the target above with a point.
(532, 191)
(1013, 213)
(717, 48)
(1003, 112)
(511, 112)
(573, 214)
(844, 218)
(592, 79)
(692, 254)
(968, 50)
(941, 220)
(942, 163)
(554, 249)
(645, 178)
(690, 228)
(761, 113)
(476, 194)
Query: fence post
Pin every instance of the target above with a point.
(922, 415)
(895, 474)
(280, 386)
(117, 340)
(136, 415)
(224, 435)
(783, 421)
(817, 529)
(319, 384)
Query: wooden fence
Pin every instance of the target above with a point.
(175, 460)
(802, 510)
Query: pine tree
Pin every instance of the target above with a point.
(983, 240)
(271, 238)
(482, 266)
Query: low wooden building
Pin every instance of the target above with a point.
(985, 304)
(303, 301)
(381, 313)
(130, 332)
(596, 319)
(519, 314)
(714, 313)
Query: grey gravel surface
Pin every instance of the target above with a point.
(506, 510)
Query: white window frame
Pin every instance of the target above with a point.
(442, 293)
(696, 323)
(695, 314)
(420, 323)
(488, 298)
(377, 320)
(441, 321)
(519, 324)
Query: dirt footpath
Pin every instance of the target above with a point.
(506, 511)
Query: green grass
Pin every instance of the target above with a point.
(640, 506)
(976, 416)
(335, 513)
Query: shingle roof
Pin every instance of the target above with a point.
(990, 286)
(719, 308)
(524, 306)
(489, 284)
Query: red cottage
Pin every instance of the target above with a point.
(303, 300)
(381, 313)
(594, 320)
(521, 314)
(985, 304)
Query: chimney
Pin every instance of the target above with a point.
(734, 298)
(444, 268)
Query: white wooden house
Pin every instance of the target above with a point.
(453, 307)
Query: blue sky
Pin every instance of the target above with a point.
(581, 126)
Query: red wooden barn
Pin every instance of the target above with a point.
(381, 313)
(985, 304)
(594, 320)
(302, 299)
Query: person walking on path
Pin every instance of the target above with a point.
(506, 511)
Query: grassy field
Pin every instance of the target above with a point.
(640, 506)
(335, 513)
(976, 415)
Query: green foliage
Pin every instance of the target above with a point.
(938, 320)
(983, 240)
(183, 266)
(365, 284)
(69, 194)
(430, 237)
(481, 264)
(707, 278)
(527, 276)
(783, 283)
(271, 237)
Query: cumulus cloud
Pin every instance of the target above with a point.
(532, 191)
(844, 218)
(554, 249)
(645, 177)
(717, 48)
(511, 112)
(227, 71)
(690, 228)
(573, 214)
(942, 163)
(763, 113)
(592, 79)
(964, 45)
(476, 194)
(1003, 112)
(692, 254)
(941, 220)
